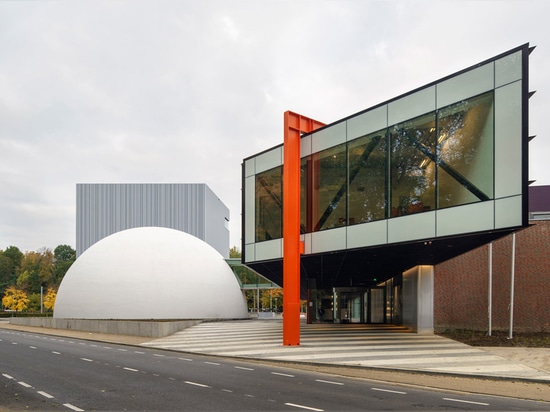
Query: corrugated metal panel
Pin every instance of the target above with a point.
(104, 209)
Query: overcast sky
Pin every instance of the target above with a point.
(182, 91)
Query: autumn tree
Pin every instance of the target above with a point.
(15, 299)
(272, 298)
(49, 299)
(36, 270)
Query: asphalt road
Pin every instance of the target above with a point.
(41, 372)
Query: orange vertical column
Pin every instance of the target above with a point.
(294, 125)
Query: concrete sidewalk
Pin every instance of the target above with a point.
(371, 346)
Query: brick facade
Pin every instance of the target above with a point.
(461, 285)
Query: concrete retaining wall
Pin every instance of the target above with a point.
(153, 329)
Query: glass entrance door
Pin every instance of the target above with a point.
(351, 305)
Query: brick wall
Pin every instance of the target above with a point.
(461, 285)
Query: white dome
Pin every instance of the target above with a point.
(150, 273)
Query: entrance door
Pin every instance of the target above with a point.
(350, 307)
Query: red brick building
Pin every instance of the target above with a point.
(461, 285)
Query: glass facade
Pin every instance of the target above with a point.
(437, 160)
(466, 152)
(269, 204)
(412, 167)
(367, 180)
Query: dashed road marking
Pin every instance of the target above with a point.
(185, 359)
(5, 375)
(463, 401)
(25, 384)
(309, 408)
(213, 363)
(329, 382)
(197, 384)
(243, 368)
(74, 408)
(389, 391)
(130, 369)
(56, 353)
(282, 374)
(86, 360)
(45, 394)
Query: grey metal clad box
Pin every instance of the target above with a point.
(103, 209)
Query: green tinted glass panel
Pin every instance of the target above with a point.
(413, 166)
(465, 148)
(367, 178)
(269, 204)
(329, 180)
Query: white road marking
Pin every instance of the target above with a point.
(32, 347)
(74, 408)
(243, 368)
(139, 353)
(389, 391)
(5, 375)
(330, 382)
(56, 353)
(282, 374)
(197, 384)
(160, 356)
(86, 359)
(309, 408)
(461, 401)
(130, 369)
(26, 385)
(47, 395)
(123, 350)
(185, 359)
(213, 363)
(227, 390)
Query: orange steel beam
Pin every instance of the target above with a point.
(294, 126)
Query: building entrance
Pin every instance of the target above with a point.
(378, 304)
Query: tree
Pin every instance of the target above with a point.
(34, 303)
(15, 299)
(36, 270)
(272, 298)
(7, 272)
(49, 299)
(64, 257)
(234, 252)
(15, 255)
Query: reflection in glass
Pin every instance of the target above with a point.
(329, 188)
(305, 191)
(465, 148)
(412, 166)
(269, 204)
(367, 178)
(349, 184)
